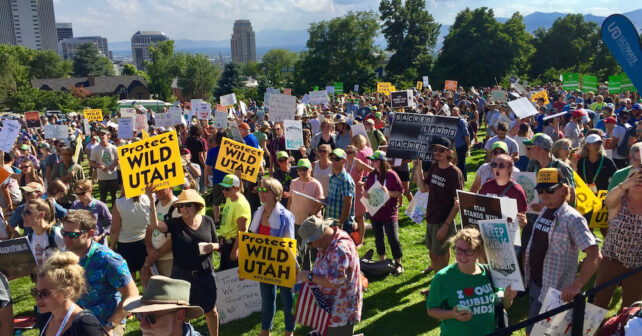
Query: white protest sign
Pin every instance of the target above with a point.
(228, 99)
(127, 112)
(202, 110)
(356, 88)
(236, 299)
(293, 134)
(282, 107)
(315, 125)
(360, 129)
(300, 109)
(141, 122)
(416, 209)
(319, 97)
(233, 125)
(329, 89)
(522, 107)
(425, 81)
(220, 119)
(170, 118)
(125, 128)
(504, 267)
(498, 95)
(243, 108)
(305, 99)
(8, 134)
(56, 132)
(519, 89)
(528, 180)
(377, 197)
(560, 114)
(85, 123)
(272, 90)
(561, 324)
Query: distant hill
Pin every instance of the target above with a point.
(539, 19)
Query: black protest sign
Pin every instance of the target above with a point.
(16, 258)
(411, 134)
(476, 207)
(400, 99)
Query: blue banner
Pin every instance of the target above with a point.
(621, 37)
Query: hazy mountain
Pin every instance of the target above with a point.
(539, 19)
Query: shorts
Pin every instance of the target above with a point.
(134, 254)
(434, 245)
(202, 291)
(217, 195)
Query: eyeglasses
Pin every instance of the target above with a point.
(466, 252)
(501, 165)
(40, 293)
(438, 149)
(149, 318)
(548, 190)
(497, 152)
(181, 205)
(71, 234)
(277, 129)
(262, 189)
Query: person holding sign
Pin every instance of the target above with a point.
(559, 233)
(462, 295)
(193, 240)
(273, 219)
(504, 186)
(622, 246)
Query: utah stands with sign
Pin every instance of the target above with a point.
(235, 155)
(267, 259)
(154, 160)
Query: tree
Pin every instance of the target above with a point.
(251, 69)
(276, 64)
(339, 50)
(230, 80)
(198, 77)
(410, 32)
(521, 44)
(88, 60)
(48, 64)
(162, 69)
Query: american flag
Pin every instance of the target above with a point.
(312, 309)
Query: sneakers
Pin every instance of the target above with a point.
(398, 269)
(427, 270)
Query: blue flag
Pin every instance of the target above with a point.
(621, 37)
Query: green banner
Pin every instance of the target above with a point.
(571, 81)
(625, 83)
(589, 83)
(614, 84)
(316, 88)
(338, 88)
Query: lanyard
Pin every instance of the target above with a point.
(64, 321)
(596, 172)
(92, 249)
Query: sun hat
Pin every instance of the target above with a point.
(312, 229)
(190, 196)
(163, 293)
(378, 155)
(33, 186)
(230, 181)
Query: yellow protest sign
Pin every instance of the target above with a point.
(267, 259)
(392, 89)
(384, 87)
(600, 216)
(538, 95)
(235, 155)
(93, 114)
(584, 197)
(154, 160)
(420, 85)
(78, 149)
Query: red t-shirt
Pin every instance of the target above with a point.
(516, 192)
(264, 230)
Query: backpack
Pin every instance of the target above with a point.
(51, 238)
(623, 148)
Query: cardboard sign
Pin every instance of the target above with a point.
(450, 85)
(561, 324)
(356, 88)
(93, 114)
(9, 134)
(411, 134)
(571, 81)
(541, 94)
(228, 99)
(585, 199)
(233, 155)
(220, 119)
(126, 128)
(33, 119)
(419, 85)
(377, 198)
(498, 96)
(56, 132)
(498, 244)
(528, 180)
(236, 299)
(338, 88)
(293, 134)
(267, 259)
(384, 87)
(589, 83)
(155, 160)
(401, 99)
(16, 258)
(425, 81)
(318, 98)
(600, 216)
(78, 150)
(522, 107)
(282, 107)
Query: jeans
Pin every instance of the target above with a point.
(268, 306)
(392, 232)
(461, 160)
(108, 186)
(533, 294)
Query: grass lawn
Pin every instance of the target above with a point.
(392, 305)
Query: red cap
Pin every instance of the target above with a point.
(610, 120)
(579, 113)
(185, 151)
(244, 126)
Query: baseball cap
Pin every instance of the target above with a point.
(338, 152)
(610, 120)
(185, 151)
(593, 138)
(378, 155)
(230, 181)
(636, 106)
(442, 142)
(547, 178)
(578, 113)
(610, 106)
(25, 147)
(244, 126)
(282, 154)
(369, 122)
(501, 145)
(540, 140)
(33, 186)
(304, 163)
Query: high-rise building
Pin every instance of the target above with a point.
(68, 46)
(242, 42)
(30, 23)
(64, 30)
(140, 46)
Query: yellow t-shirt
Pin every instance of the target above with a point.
(231, 212)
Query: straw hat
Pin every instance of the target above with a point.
(190, 196)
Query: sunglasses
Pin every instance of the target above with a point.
(501, 165)
(302, 169)
(262, 189)
(565, 148)
(40, 293)
(227, 188)
(350, 152)
(322, 151)
(438, 149)
(497, 152)
(186, 205)
(27, 212)
(548, 190)
(336, 159)
(71, 234)
(149, 318)
(466, 252)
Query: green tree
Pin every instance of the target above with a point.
(230, 80)
(162, 69)
(198, 77)
(339, 50)
(88, 60)
(411, 33)
(251, 69)
(274, 62)
(48, 64)
(521, 44)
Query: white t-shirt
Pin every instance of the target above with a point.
(105, 155)
(40, 244)
(618, 132)
(159, 238)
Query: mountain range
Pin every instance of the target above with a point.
(295, 39)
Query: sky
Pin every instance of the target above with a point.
(118, 20)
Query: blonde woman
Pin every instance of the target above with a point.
(38, 214)
(562, 149)
(28, 174)
(322, 168)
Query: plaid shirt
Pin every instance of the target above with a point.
(340, 185)
(568, 236)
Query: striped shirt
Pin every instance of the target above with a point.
(340, 185)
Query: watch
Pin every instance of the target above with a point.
(310, 276)
(109, 325)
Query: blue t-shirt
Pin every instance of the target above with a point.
(251, 140)
(540, 122)
(462, 133)
(210, 160)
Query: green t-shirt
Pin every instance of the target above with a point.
(619, 177)
(231, 212)
(451, 287)
(261, 137)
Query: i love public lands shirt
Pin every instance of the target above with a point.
(450, 287)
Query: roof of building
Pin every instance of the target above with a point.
(149, 32)
(107, 84)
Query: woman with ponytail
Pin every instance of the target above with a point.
(38, 214)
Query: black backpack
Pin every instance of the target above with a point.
(623, 148)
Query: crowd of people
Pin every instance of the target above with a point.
(92, 252)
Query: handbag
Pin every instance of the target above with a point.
(501, 316)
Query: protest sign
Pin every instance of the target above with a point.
(556, 115)
(267, 259)
(377, 198)
(360, 129)
(417, 207)
(16, 258)
(384, 87)
(203, 111)
(77, 151)
(498, 96)
(528, 180)
(329, 89)
(8, 134)
(522, 107)
(85, 123)
(293, 134)
(614, 84)
(127, 112)
(475, 207)
(56, 132)
(600, 216)
(625, 83)
(220, 119)
(33, 119)
(233, 155)
(228, 99)
(589, 83)
(570, 81)
(520, 89)
(356, 88)
(584, 198)
(425, 81)
(169, 118)
(561, 324)
(126, 128)
(155, 160)
(282, 107)
(450, 85)
(287, 92)
(4, 174)
(500, 253)
(622, 38)
(400, 99)
(419, 85)
(93, 114)
(513, 79)
(318, 97)
(338, 88)
(305, 99)
(541, 94)
(236, 299)
(411, 134)
(141, 122)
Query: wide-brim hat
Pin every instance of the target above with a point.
(312, 229)
(163, 293)
(190, 196)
